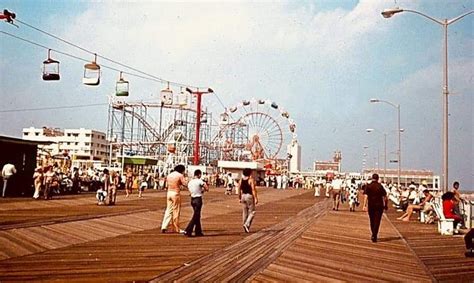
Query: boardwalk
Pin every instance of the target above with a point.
(295, 237)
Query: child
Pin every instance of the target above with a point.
(230, 184)
(101, 195)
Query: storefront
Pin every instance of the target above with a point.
(22, 154)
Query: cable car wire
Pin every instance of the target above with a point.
(53, 107)
(105, 58)
(86, 60)
(76, 57)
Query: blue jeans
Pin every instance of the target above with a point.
(195, 223)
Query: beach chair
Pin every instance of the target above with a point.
(445, 226)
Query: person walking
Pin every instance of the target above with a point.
(175, 181)
(112, 189)
(248, 198)
(128, 182)
(38, 181)
(8, 171)
(353, 195)
(375, 202)
(196, 188)
(336, 185)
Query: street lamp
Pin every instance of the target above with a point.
(399, 131)
(444, 23)
(385, 151)
(198, 121)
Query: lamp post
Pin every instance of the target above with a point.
(198, 121)
(387, 13)
(384, 150)
(364, 158)
(399, 131)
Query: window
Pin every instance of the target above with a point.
(76, 143)
(88, 135)
(37, 134)
(25, 134)
(87, 143)
(68, 143)
(68, 134)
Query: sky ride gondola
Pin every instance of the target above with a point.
(91, 73)
(50, 69)
(166, 96)
(121, 87)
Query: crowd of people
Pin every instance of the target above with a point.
(413, 199)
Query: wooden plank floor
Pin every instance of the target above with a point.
(107, 249)
(294, 238)
(242, 259)
(442, 255)
(337, 247)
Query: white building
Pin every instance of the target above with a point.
(80, 144)
(294, 164)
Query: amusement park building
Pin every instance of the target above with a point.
(80, 144)
(294, 155)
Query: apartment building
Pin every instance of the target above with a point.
(80, 144)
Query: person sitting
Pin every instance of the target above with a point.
(101, 195)
(448, 208)
(425, 205)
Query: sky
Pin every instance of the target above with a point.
(321, 60)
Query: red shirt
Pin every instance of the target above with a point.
(448, 210)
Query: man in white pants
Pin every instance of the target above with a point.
(7, 172)
(175, 181)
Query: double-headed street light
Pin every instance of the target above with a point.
(388, 13)
(384, 150)
(197, 150)
(399, 131)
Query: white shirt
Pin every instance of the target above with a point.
(8, 170)
(195, 187)
(336, 184)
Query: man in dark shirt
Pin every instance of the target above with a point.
(375, 201)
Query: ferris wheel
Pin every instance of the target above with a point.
(255, 129)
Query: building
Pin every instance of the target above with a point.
(406, 176)
(329, 166)
(79, 144)
(294, 156)
(22, 154)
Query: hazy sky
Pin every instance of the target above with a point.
(321, 60)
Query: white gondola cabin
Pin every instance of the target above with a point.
(204, 118)
(181, 99)
(50, 69)
(224, 119)
(246, 102)
(274, 105)
(91, 73)
(166, 96)
(121, 87)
